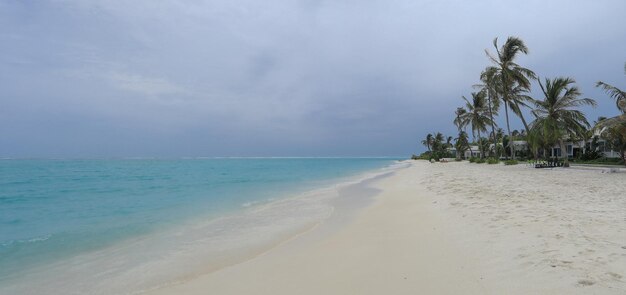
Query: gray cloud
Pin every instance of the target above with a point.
(277, 77)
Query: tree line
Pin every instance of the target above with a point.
(556, 115)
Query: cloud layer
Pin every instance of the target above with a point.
(269, 78)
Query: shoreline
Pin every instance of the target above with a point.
(197, 246)
(346, 257)
(449, 229)
(332, 193)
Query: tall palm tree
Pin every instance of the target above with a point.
(514, 80)
(477, 115)
(490, 84)
(556, 116)
(428, 142)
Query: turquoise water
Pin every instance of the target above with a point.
(51, 210)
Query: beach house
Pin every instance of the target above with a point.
(575, 148)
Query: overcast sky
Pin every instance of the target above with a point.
(170, 78)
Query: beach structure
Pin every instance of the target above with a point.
(575, 148)
(473, 151)
(519, 146)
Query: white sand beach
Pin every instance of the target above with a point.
(453, 228)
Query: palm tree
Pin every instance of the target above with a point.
(438, 141)
(514, 80)
(477, 115)
(457, 121)
(617, 140)
(461, 144)
(439, 148)
(499, 134)
(536, 140)
(491, 87)
(615, 127)
(620, 102)
(428, 142)
(556, 116)
(500, 139)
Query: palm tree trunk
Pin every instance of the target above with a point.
(564, 153)
(521, 116)
(493, 126)
(508, 128)
(480, 146)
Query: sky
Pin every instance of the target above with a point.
(189, 78)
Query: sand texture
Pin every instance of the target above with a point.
(453, 228)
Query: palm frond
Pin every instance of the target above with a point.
(611, 122)
(556, 114)
(491, 57)
(614, 93)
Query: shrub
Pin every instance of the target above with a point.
(602, 161)
(422, 156)
(590, 155)
(458, 159)
(493, 161)
(472, 160)
(480, 161)
(510, 162)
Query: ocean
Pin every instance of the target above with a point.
(126, 226)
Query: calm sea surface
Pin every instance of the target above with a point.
(52, 210)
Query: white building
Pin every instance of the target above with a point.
(473, 152)
(575, 147)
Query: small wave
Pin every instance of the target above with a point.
(25, 241)
(253, 203)
(250, 204)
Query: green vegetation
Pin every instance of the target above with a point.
(493, 161)
(555, 115)
(557, 118)
(601, 161)
(438, 147)
(477, 115)
(461, 144)
(614, 129)
(511, 81)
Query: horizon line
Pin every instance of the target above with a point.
(202, 157)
